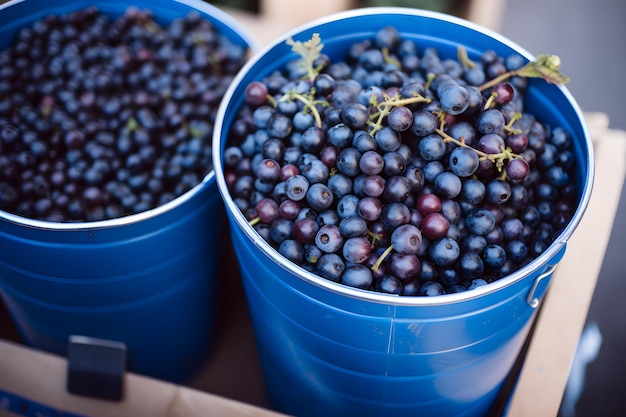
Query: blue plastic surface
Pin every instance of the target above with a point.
(146, 280)
(330, 350)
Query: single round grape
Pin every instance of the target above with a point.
(463, 161)
(447, 185)
(369, 208)
(305, 230)
(348, 162)
(431, 289)
(371, 163)
(473, 191)
(504, 93)
(340, 135)
(397, 189)
(480, 221)
(296, 187)
(490, 143)
(267, 210)
(517, 169)
(330, 266)
(357, 276)
(389, 284)
(498, 191)
(328, 238)
(387, 139)
(424, 123)
(400, 118)
(357, 249)
(490, 121)
(494, 256)
(454, 98)
(404, 266)
(432, 147)
(435, 226)
(352, 226)
(256, 93)
(355, 115)
(406, 239)
(292, 250)
(428, 203)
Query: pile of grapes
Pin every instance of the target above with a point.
(102, 118)
(399, 171)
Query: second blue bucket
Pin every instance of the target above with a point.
(331, 350)
(146, 279)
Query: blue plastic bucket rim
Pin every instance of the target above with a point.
(537, 265)
(215, 13)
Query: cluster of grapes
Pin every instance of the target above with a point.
(101, 118)
(401, 172)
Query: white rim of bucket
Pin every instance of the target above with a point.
(541, 261)
(214, 13)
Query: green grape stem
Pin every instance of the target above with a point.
(497, 158)
(374, 237)
(385, 107)
(309, 103)
(309, 51)
(381, 258)
(544, 66)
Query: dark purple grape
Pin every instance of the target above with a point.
(504, 93)
(292, 250)
(447, 185)
(454, 98)
(305, 230)
(431, 289)
(518, 142)
(498, 191)
(424, 123)
(434, 226)
(371, 163)
(267, 210)
(369, 208)
(330, 266)
(406, 239)
(490, 121)
(432, 147)
(480, 221)
(397, 189)
(357, 276)
(355, 115)
(494, 256)
(357, 249)
(400, 118)
(389, 284)
(517, 169)
(348, 162)
(329, 239)
(463, 161)
(352, 226)
(516, 250)
(387, 139)
(296, 187)
(404, 266)
(288, 209)
(490, 143)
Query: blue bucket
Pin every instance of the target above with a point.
(146, 279)
(331, 350)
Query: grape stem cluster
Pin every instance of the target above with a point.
(376, 119)
(544, 66)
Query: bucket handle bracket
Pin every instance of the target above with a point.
(532, 299)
